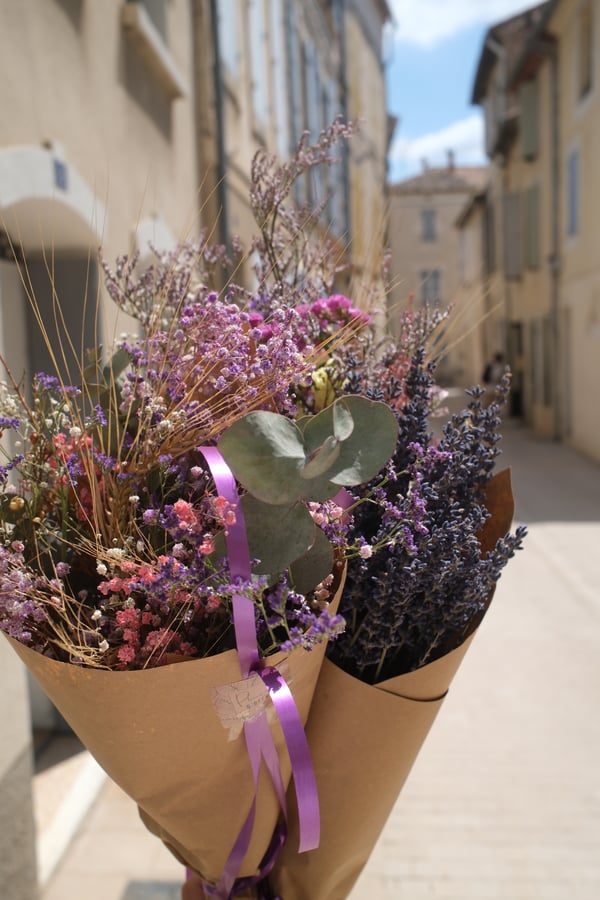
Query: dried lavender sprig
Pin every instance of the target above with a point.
(425, 586)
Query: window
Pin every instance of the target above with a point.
(428, 224)
(573, 193)
(586, 49)
(430, 286)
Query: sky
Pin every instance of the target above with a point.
(431, 60)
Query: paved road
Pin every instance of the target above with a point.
(504, 800)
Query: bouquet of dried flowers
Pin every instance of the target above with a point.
(168, 504)
(112, 551)
(234, 463)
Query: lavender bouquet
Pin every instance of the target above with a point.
(432, 537)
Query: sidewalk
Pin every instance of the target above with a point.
(504, 801)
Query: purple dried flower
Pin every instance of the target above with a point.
(426, 586)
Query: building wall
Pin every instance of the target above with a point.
(95, 149)
(290, 67)
(580, 271)
(18, 878)
(555, 303)
(413, 255)
(526, 176)
(471, 296)
(115, 133)
(87, 86)
(367, 169)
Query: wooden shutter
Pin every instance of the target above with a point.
(532, 227)
(512, 235)
(258, 64)
(573, 193)
(529, 119)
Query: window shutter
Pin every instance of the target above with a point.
(313, 91)
(528, 99)
(337, 220)
(489, 237)
(532, 227)
(512, 235)
(228, 40)
(428, 224)
(430, 282)
(586, 48)
(295, 85)
(573, 193)
(296, 117)
(278, 79)
(258, 60)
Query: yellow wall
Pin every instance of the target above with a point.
(366, 91)
(77, 80)
(580, 275)
(411, 255)
(558, 305)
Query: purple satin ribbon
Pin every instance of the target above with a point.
(259, 740)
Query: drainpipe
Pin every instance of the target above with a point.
(340, 18)
(221, 166)
(559, 369)
(500, 53)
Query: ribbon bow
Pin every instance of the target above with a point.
(259, 740)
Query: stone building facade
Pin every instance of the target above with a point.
(537, 81)
(427, 257)
(128, 124)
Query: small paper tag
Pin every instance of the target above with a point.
(241, 701)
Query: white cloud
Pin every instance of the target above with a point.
(429, 22)
(464, 138)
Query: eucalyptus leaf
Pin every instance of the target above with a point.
(310, 569)
(276, 537)
(343, 423)
(280, 463)
(362, 455)
(265, 452)
(322, 459)
(117, 364)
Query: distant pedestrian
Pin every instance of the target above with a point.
(492, 374)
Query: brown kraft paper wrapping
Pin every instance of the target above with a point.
(364, 740)
(158, 736)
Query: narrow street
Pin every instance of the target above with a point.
(504, 801)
